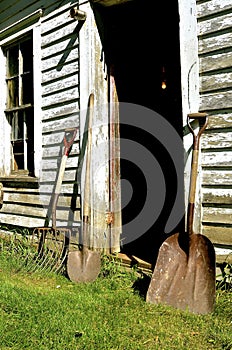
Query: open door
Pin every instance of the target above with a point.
(141, 40)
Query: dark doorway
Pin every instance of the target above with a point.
(141, 42)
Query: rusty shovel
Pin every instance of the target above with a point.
(84, 265)
(184, 274)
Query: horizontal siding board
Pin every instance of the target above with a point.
(56, 138)
(21, 220)
(18, 209)
(215, 82)
(217, 196)
(217, 215)
(59, 19)
(215, 24)
(216, 101)
(216, 159)
(219, 234)
(217, 140)
(59, 62)
(54, 163)
(58, 34)
(60, 111)
(220, 121)
(39, 200)
(217, 177)
(61, 97)
(63, 83)
(220, 42)
(57, 72)
(213, 7)
(57, 150)
(215, 62)
(50, 176)
(59, 48)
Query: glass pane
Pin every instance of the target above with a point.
(13, 92)
(30, 140)
(27, 90)
(29, 117)
(26, 51)
(13, 61)
(17, 126)
(18, 151)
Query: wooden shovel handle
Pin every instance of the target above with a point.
(68, 140)
(197, 115)
(203, 119)
(69, 137)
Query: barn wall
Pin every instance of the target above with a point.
(60, 107)
(26, 202)
(61, 94)
(215, 64)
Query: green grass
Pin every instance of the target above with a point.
(47, 311)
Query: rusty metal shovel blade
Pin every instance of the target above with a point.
(83, 266)
(184, 278)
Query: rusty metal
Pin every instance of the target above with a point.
(77, 14)
(52, 242)
(109, 218)
(84, 265)
(184, 274)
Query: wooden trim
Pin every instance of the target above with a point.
(19, 25)
(108, 3)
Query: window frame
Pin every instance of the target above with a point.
(20, 108)
(6, 173)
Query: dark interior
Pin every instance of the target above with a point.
(141, 44)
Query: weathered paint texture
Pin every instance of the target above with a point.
(215, 64)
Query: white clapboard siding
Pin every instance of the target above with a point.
(54, 151)
(212, 7)
(211, 82)
(48, 176)
(217, 196)
(216, 159)
(14, 218)
(215, 177)
(66, 82)
(60, 110)
(40, 199)
(220, 42)
(218, 215)
(220, 121)
(215, 64)
(217, 139)
(215, 24)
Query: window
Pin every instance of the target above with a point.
(20, 104)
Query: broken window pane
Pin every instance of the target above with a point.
(19, 105)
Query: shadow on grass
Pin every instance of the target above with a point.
(141, 285)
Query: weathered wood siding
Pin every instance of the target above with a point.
(215, 58)
(60, 107)
(28, 205)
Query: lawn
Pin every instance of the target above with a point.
(48, 311)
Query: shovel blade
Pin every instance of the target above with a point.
(83, 266)
(185, 280)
